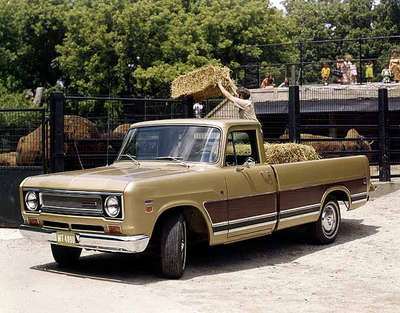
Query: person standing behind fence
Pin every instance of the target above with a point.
(369, 72)
(285, 83)
(394, 68)
(353, 72)
(197, 109)
(243, 102)
(386, 75)
(268, 81)
(325, 73)
(338, 72)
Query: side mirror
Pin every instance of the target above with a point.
(250, 162)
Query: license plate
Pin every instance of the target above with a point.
(66, 238)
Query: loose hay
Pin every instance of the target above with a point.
(29, 148)
(8, 159)
(279, 153)
(121, 130)
(202, 83)
(289, 152)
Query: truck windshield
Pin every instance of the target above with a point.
(185, 143)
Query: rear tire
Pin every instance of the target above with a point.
(65, 256)
(173, 246)
(325, 230)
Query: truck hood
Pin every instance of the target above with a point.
(108, 178)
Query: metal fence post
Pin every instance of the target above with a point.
(294, 113)
(360, 72)
(188, 107)
(301, 63)
(57, 101)
(384, 150)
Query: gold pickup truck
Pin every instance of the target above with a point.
(176, 182)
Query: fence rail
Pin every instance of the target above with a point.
(87, 132)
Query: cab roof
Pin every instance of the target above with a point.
(223, 123)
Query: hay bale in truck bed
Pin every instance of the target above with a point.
(280, 153)
(29, 148)
(201, 83)
(289, 152)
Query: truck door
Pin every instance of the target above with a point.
(251, 186)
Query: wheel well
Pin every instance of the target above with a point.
(195, 222)
(338, 195)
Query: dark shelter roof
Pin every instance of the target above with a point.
(331, 98)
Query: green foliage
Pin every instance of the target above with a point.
(124, 47)
(136, 47)
(15, 100)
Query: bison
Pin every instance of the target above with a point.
(355, 142)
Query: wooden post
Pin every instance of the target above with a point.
(57, 101)
(384, 149)
(294, 113)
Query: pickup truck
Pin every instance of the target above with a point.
(178, 182)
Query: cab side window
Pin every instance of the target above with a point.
(241, 145)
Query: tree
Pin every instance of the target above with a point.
(29, 32)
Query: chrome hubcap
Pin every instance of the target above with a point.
(329, 220)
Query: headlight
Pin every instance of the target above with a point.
(31, 201)
(112, 206)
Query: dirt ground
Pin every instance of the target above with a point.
(280, 273)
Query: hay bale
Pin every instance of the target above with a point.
(279, 153)
(78, 128)
(29, 148)
(359, 144)
(120, 131)
(201, 83)
(289, 152)
(8, 159)
(329, 144)
(319, 146)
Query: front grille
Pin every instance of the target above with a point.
(87, 227)
(55, 225)
(71, 204)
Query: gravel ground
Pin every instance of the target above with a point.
(280, 273)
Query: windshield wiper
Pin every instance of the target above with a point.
(130, 157)
(172, 158)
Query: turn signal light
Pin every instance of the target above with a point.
(114, 229)
(33, 221)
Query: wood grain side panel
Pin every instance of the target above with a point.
(356, 186)
(311, 195)
(301, 197)
(252, 206)
(218, 210)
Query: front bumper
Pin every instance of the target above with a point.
(90, 241)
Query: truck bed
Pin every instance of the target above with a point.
(302, 186)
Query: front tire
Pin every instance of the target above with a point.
(65, 256)
(173, 246)
(325, 230)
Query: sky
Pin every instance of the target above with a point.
(277, 3)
